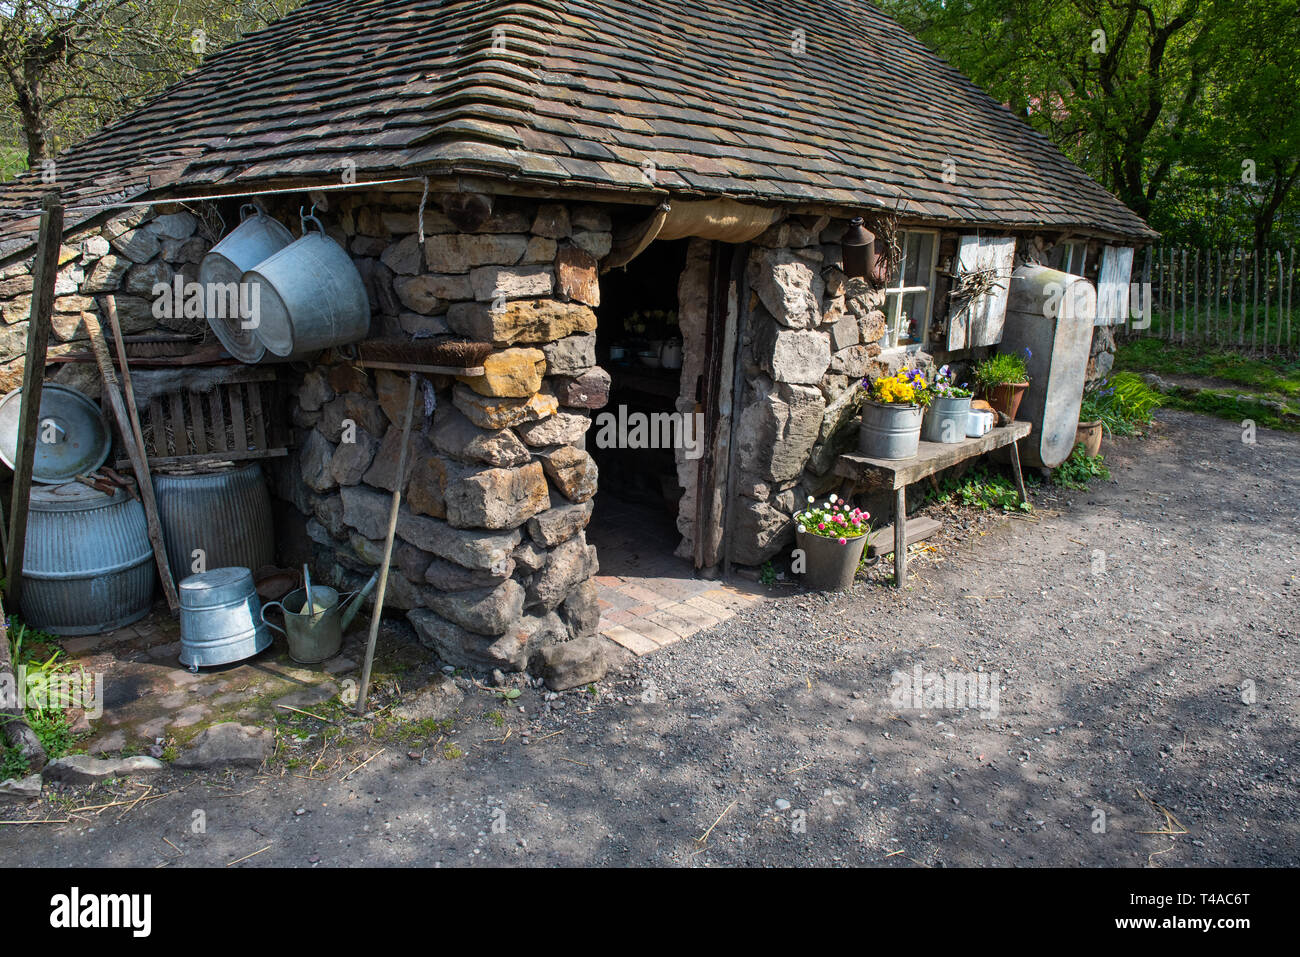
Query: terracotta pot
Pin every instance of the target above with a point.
(1006, 397)
(830, 565)
(1089, 433)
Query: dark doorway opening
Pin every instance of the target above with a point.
(639, 343)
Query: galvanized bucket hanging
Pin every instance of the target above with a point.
(257, 238)
(311, 297)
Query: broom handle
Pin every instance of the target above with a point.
(388, 547)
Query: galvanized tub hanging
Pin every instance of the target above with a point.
(72, 434)
(224, 515)
(221, 618)
(88, 565)
(257, 238)
(311, 297)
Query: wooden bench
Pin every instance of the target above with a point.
(897, 474)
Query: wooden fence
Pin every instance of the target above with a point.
(1239, 298)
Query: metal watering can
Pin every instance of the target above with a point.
(316, 637)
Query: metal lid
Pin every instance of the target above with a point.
(72, 436)
(73, 497)
(220, 586)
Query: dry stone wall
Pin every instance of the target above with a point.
(127, 257)
(491, 564)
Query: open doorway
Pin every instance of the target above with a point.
(639, 343)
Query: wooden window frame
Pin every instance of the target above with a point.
(894, 296)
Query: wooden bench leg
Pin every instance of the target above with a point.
(900, 536)
(1015, 468)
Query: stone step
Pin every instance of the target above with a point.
(918, 529)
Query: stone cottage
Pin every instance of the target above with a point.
(574, 182)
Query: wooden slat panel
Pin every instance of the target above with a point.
(158, 426)
(255, 417)
(236, 396)
(177, 423)
(196, 419)
(217, 415)
(210, 458)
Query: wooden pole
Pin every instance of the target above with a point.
(1196, 294)
(1254, 304)
(388, 547)
(135, 452)
(1182, 338)
(38, 339)
(1218, 287)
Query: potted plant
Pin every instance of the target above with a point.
(1002, 380)
(948, 412)
(891, 415)
(1091, 425)
(832, 537)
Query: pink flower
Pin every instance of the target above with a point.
(821, 526)
(844, 541)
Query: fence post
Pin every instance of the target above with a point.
(1196, 293)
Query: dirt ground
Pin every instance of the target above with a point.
(1142, 638)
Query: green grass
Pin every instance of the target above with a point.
(1279, 375)
(40, 653)
(1262, 384)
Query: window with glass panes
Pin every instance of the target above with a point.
(908, 297)
(1070, 257)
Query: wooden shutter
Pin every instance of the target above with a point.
(1113, 285)
(979, 321)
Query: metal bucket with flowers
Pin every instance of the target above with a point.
(892, 414)
(949, 409)
(831, 537)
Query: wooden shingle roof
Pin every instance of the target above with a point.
(809, 102)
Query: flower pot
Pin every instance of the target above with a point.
(889, 431)
(1006, 397)
(1089, 433)
(830, 565)
(946, 420)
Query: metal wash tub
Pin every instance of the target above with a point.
(227, 515)
(258, 237)
(311, 297)
(221, 618)
(88, 566)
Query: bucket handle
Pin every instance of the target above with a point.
(256, 208)
(265, 607)
(306, 218)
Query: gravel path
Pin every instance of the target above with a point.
(1142, 637)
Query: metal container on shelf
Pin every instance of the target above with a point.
(311, 296)
(221, 618)
(88, 565)
(226, 514)
(1050, 316)
(258, 237)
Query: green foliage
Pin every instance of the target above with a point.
(1279, 375)
(1163, 101)
(13, 161)
(1001, 369)
(38, 653)
(1123, 404)
(981, 489)
(1235, 407)
(1080, 469)
(767, 576)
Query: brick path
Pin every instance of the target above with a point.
(648, 597)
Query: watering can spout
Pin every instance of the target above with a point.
(358, 600)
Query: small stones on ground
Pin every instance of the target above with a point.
(228, 745)
(28, 788)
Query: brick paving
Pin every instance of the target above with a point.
(649, 598)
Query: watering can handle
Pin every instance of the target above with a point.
(268, 605)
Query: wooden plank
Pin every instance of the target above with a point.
(423, 369)
(157, 426)
(217, 416)
(918, 529)
(931, 457)
(29, 412)
(138, 461)
(212, 458)
(236, 395)
(900, 533)
(196, 420)
(179, 427)
(255, 416)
